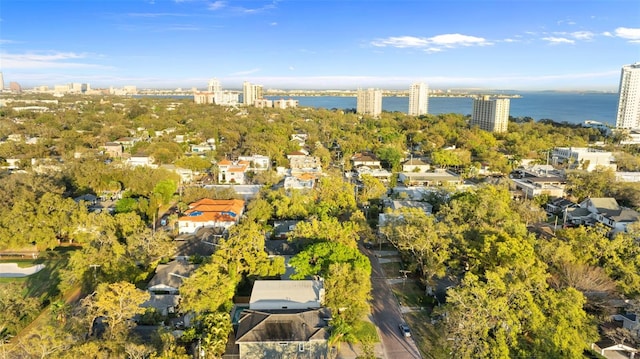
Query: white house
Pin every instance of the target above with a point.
(232, 171)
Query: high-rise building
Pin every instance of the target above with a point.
(1, 82)
(490, 114)
(418, 99)
(15, 87)
(214, 86)
(629, 101)
(369, 102)
(251, 93)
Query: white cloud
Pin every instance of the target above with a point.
(558, 40)
(632, 34)
(217, 5)
(453, 40)
(49, 60)
(245, 72)
(401, 42)
(273, 24)
(582, 35)
(431, 44)
(607, 34)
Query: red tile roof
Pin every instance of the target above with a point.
(219, 210)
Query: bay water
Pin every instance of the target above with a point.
(570, 107)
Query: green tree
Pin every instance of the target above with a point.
(421, 239)
(117, 303)
(165, 189)
(372, 188)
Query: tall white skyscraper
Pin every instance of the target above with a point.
(629, 102)
(369, 102)
(490, 114)
(214, 86)
(418, 99)
(1, 82)
(251, 93)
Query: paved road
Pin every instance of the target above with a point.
(386, 315)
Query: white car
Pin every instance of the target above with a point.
(404, 329)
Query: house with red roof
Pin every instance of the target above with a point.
(211, 213)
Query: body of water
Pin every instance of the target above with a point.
(557, 106)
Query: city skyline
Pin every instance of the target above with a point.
(524, 45)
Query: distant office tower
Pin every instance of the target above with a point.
(15, 87)
(369, 102)
(251, 93)
(629, 102)
(418, 99)
(214, 86)
(490, 114)
(1, 82)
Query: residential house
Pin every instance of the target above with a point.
(300, 139)
(533, 186)
(415, 165)
(559, 205)
(140, 159)
(204, 147)
(367, 159)
(257, 162)
(629, 322)
(300, 181)
(294, 334)
(113, 149)
(379, 173)
(164, 287)
(88, 198)
(603, 210)
(214, 213)
(127, 142)
(287, 294)
(234, 172)
(186, 175)
(285, 319)
(281, 229)
(438, 178)
(299, 162)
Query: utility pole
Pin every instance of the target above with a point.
(95, 269)
(404, 276)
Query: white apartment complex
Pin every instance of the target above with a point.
(251, 93)
(629, 102)
(215, 95)
(584, 158)
(369, 102)
(418, 99)
(490, 114)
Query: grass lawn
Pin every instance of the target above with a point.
(428, 339)
(365, 331)
(44, 284)
(410, 294)
(391, 269)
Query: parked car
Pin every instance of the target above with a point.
(404, 330)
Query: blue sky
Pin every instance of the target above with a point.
(326, 44)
